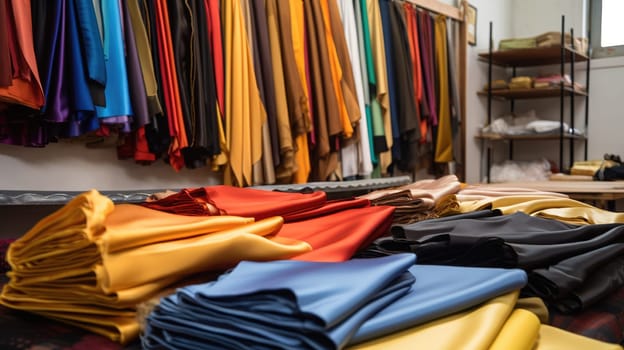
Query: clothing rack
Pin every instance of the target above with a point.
(457, 13)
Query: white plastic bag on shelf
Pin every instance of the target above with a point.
(510, 171)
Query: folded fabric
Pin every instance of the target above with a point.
(91, 262)
(508, 327)
(560, 279)
(552, 338)
(336, 237)
(430, 191)
(440, 291)
(520, 322)
(608, 279)
(227, 200)
(535, 242)
(562, 209)
(288, 304)
(462, 330)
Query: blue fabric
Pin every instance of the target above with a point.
(90, 39)
(440, 291)
(280, 304)
(386, 23)
(117, 91)
(82, 109)
(46, 70)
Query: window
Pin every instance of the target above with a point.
(607, 28)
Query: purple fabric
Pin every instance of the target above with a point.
(427, 54)
(57, 107)
(138, 96)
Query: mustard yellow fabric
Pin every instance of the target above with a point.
(120, 329)
(216, 251)
(475, 328)
(336, 72)
(562, 209)
(444, 141)
(244, 111)
(520, 332)
(536, 306)
(91, 262)
(286, 148)
(552, 338)
(302, 153)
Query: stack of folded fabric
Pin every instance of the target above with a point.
(91, 262)
(308, 217)
(497, 84)
(309, 305)
(523, 82)
(281, 304)
(416, 201)
(517, 43)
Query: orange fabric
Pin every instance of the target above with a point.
(170, 87)
(336, 237)
(26, 90)
(91, 262)
(414, 45)
(228, 200)
(336, 72)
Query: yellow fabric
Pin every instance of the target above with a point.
(475, 328)
(221, 158)
(244, 110)
(92, 259)
(119, 329)
(215, 251)
(520, 332)
(559, 208)
(302, 154)
(336, 72)
(130, 226)
(286, 148)
(444, 141)
(536, 306)
(379, 59)
(35, 297)
(551, 338)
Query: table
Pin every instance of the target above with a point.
(602, 194)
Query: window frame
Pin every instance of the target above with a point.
(595, 19)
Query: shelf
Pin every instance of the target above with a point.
(509, 94)
(532, 56)
(530, 137)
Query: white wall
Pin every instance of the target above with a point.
(498, 12)
(72, 167)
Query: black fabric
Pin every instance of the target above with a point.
(204, 140)
(407, 112)
(598, 286)
(157, 131)
(264, 70)
(558, 280)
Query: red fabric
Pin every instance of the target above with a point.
(142, 153)
(214, 29)
(25, 88)
(327, 208)
(248, 202)
(170, 87)
(336, 237)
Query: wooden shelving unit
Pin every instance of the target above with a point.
(560, 54)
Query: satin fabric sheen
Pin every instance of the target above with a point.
(440, 291)
(268, 304)
(91, 262)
